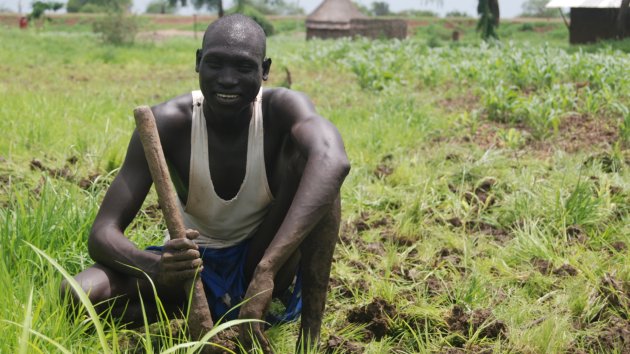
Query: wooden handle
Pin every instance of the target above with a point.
(199, 318)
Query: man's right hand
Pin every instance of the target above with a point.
(180, 260)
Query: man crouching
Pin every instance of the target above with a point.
(257, 173)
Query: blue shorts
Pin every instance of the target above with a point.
(225, 284)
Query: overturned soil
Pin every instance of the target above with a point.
(337, 344)
(480, 320)
(376, 315)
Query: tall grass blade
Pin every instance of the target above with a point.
(26, 326)
(82, 297)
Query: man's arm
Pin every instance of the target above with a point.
(107, 243)
(326, 167)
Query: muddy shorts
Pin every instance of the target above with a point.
(225, 285)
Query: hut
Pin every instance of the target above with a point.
(592, 20)
(341, 18)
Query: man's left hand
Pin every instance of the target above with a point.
(258, 298)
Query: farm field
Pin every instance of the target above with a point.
(487, 210)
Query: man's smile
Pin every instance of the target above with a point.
(226, 97)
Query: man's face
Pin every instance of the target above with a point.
(231, 70)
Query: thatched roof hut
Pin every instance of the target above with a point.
(341, 18)
(331, 19)
(592, 20)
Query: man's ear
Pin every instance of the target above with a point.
(198, 60)
(266, 65)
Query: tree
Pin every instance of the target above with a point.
(380, 8)
(538, 8)
(40, 7)
(488, 11)
(622, 18)
(160, 7)
(98, 5)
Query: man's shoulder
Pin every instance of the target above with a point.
(288, 105)
(174, 112)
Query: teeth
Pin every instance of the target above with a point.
(226, 96)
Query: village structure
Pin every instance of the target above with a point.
(341, 18)
(592, 20)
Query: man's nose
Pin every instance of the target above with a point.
(227, 77)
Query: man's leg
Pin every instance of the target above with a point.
(315, 265)
(314, 256)
(118, 294)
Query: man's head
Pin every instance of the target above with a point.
(231, 63)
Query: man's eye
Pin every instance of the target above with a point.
(213, 64)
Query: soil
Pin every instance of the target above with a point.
(449, 255)
(580, 132)
(87, 182)
(543, 266)
(433, 285)
(162, 35)
(467, 102)
(614, 338)
(480, 320)
(575, 133)
(62, 173)
(227, 339)
(397, 239)
(376, 315)
(337, 344)
(365, 222)
(575, 234)
(565, 270)
(619, 246)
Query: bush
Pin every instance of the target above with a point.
(116, 29)
(256, 16)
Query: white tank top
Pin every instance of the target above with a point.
(224, 223)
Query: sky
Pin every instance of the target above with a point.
(509, 8)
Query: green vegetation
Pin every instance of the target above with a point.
(487, 207)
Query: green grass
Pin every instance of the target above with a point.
(474, 165)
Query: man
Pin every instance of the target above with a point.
(257, 173)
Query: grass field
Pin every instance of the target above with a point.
(487, 209)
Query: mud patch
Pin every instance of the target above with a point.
(337, 344)
(227, 339)
(576, 235)
(543, 266)
(619, 246)
(581, 132)
(377, 316)
(565, 270)
(62, 173)
(449, 256)
(89, 181)
(481, 321)
(467, 102)
(614, 338)
(366, 222)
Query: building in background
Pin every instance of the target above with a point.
(592, 20)
(341, 18)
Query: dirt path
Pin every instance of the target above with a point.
(160, 35)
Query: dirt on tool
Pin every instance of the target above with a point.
(376, 315)
(337, 344)
(480, 320)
